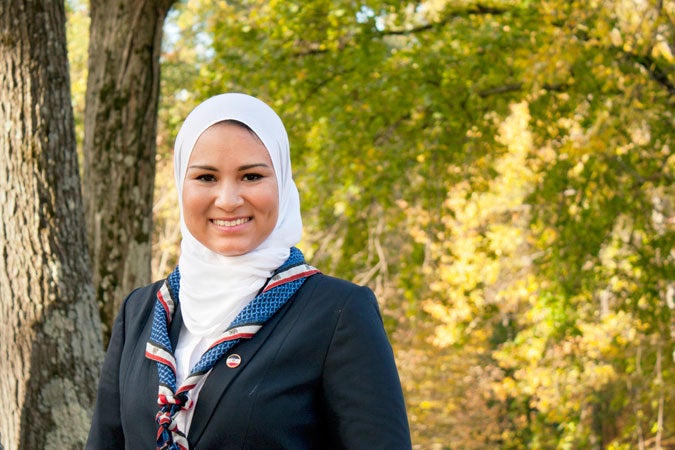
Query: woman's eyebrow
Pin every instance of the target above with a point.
(240, 168)
(253, 166)
(203, 167)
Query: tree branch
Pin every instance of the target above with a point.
(657, 73)
(500, 89)
(314, 49)
(477, 9)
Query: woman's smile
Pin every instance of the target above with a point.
(230, 223)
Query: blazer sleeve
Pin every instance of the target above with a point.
(125, 349)
(106, 428)
(361, 387)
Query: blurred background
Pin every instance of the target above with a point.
(499, 172)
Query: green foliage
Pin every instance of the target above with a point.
(78, 42)
(500, 172)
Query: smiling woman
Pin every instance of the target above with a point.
(244, 345)
(230, 193)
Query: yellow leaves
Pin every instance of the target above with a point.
(504, 239)
(615, 37)
(301, 74)
(619, 446)
(339, 208)
(426, 405)
(599, 340)
(482, 259)
(417, 221)
(662, 50)
(522, 291)
(441, 313)
(318, 132)
(545, 235)
(446, 336)
(555, 388)
(640, 133)
(504, 389)
(514, 130)
(559, 376)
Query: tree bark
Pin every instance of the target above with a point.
(50, 346)
(119, 144)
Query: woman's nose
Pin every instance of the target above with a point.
(229, 197)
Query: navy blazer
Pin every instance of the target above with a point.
(319, 374)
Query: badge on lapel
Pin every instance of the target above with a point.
(233, 361)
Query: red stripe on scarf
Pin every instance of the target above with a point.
(291, 278)
(167, 309)
(185, 388)
(160, 359)
(229, 338)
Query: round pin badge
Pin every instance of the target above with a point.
(233, 361)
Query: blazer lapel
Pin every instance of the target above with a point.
(219, 380)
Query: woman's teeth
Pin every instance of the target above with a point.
(230, 223)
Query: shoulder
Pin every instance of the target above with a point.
(149, 290)
(144, 293)
(337, 288)
(133, 316)
(337, 284)
(140, 300)
(339, 297)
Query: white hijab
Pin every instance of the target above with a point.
(214, 288)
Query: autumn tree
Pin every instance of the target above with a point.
(50, 342)
(501, 173)
(120, 144)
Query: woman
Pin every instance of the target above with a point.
(244, 345)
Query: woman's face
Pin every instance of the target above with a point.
(230, 193)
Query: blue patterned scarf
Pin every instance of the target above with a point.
(171, 398)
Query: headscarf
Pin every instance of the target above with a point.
(213, 287)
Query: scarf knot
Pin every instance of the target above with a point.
(171, 399)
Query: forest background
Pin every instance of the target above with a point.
(499, 172)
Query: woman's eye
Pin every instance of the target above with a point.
(206, 177)
(252, 177)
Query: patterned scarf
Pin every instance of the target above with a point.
(171, 398)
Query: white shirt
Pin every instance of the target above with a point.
(189, 349)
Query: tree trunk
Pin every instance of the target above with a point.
(119, 144)
(50, 346)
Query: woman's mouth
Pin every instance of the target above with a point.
(230, 223)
